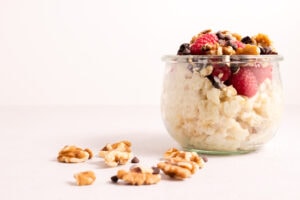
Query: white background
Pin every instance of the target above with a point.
(74, 52)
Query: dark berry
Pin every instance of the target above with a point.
(247, 40)
(184, 49)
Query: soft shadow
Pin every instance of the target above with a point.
(71, 183)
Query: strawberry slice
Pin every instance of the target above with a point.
(245, 82)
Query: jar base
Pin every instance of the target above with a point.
(218, 152)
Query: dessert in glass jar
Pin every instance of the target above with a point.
(222, 93)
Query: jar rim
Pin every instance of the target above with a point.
(221, 58)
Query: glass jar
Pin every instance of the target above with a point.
(222, 104)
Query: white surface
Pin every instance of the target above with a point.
(32, 136)
(74, 52)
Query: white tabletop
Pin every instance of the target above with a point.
(32, 136)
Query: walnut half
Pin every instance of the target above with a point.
(116, 154)
(139, 176)
(180, 164)
(73, 154)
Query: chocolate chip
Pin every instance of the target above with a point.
(232, 44)
(266, 51)
(136, 169)
(228, 37)
(156, 170)
(247, 40)
(216, 82)
(114, 179)
(234, 68)
(204, 157)
(222, 42)
(220, 35)
(184, 49)
(135, 160)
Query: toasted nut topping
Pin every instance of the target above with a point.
(263, 40)
(116, 154)
(73, 154)
(248, 50)
(228, 50)
(85, 178)
(237, 36)
(139, 176)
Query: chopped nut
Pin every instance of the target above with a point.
(139, 176)
(237, 36)
(263, 40)
(248, 50)
(73, 154)
(90, 152)
(85, 178)
(116, 154)
(228, 50)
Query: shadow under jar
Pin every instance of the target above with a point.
(222, 104)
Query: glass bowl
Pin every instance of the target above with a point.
(222, 104)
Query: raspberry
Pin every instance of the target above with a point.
(222, 72)
(262, 73)
(208, 38)
(244, 81)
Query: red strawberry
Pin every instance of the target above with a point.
(222, 72)
(208, 38)
(262, 73)
(244, 81)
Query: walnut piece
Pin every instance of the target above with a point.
(85, 178)
(180, 164)
(263, 40)
(116, 154)
(174, 170)
(73, 154)
(184, 156)
(249, 49)
(139, 176)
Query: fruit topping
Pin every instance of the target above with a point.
(202, 43)
(244, 81)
